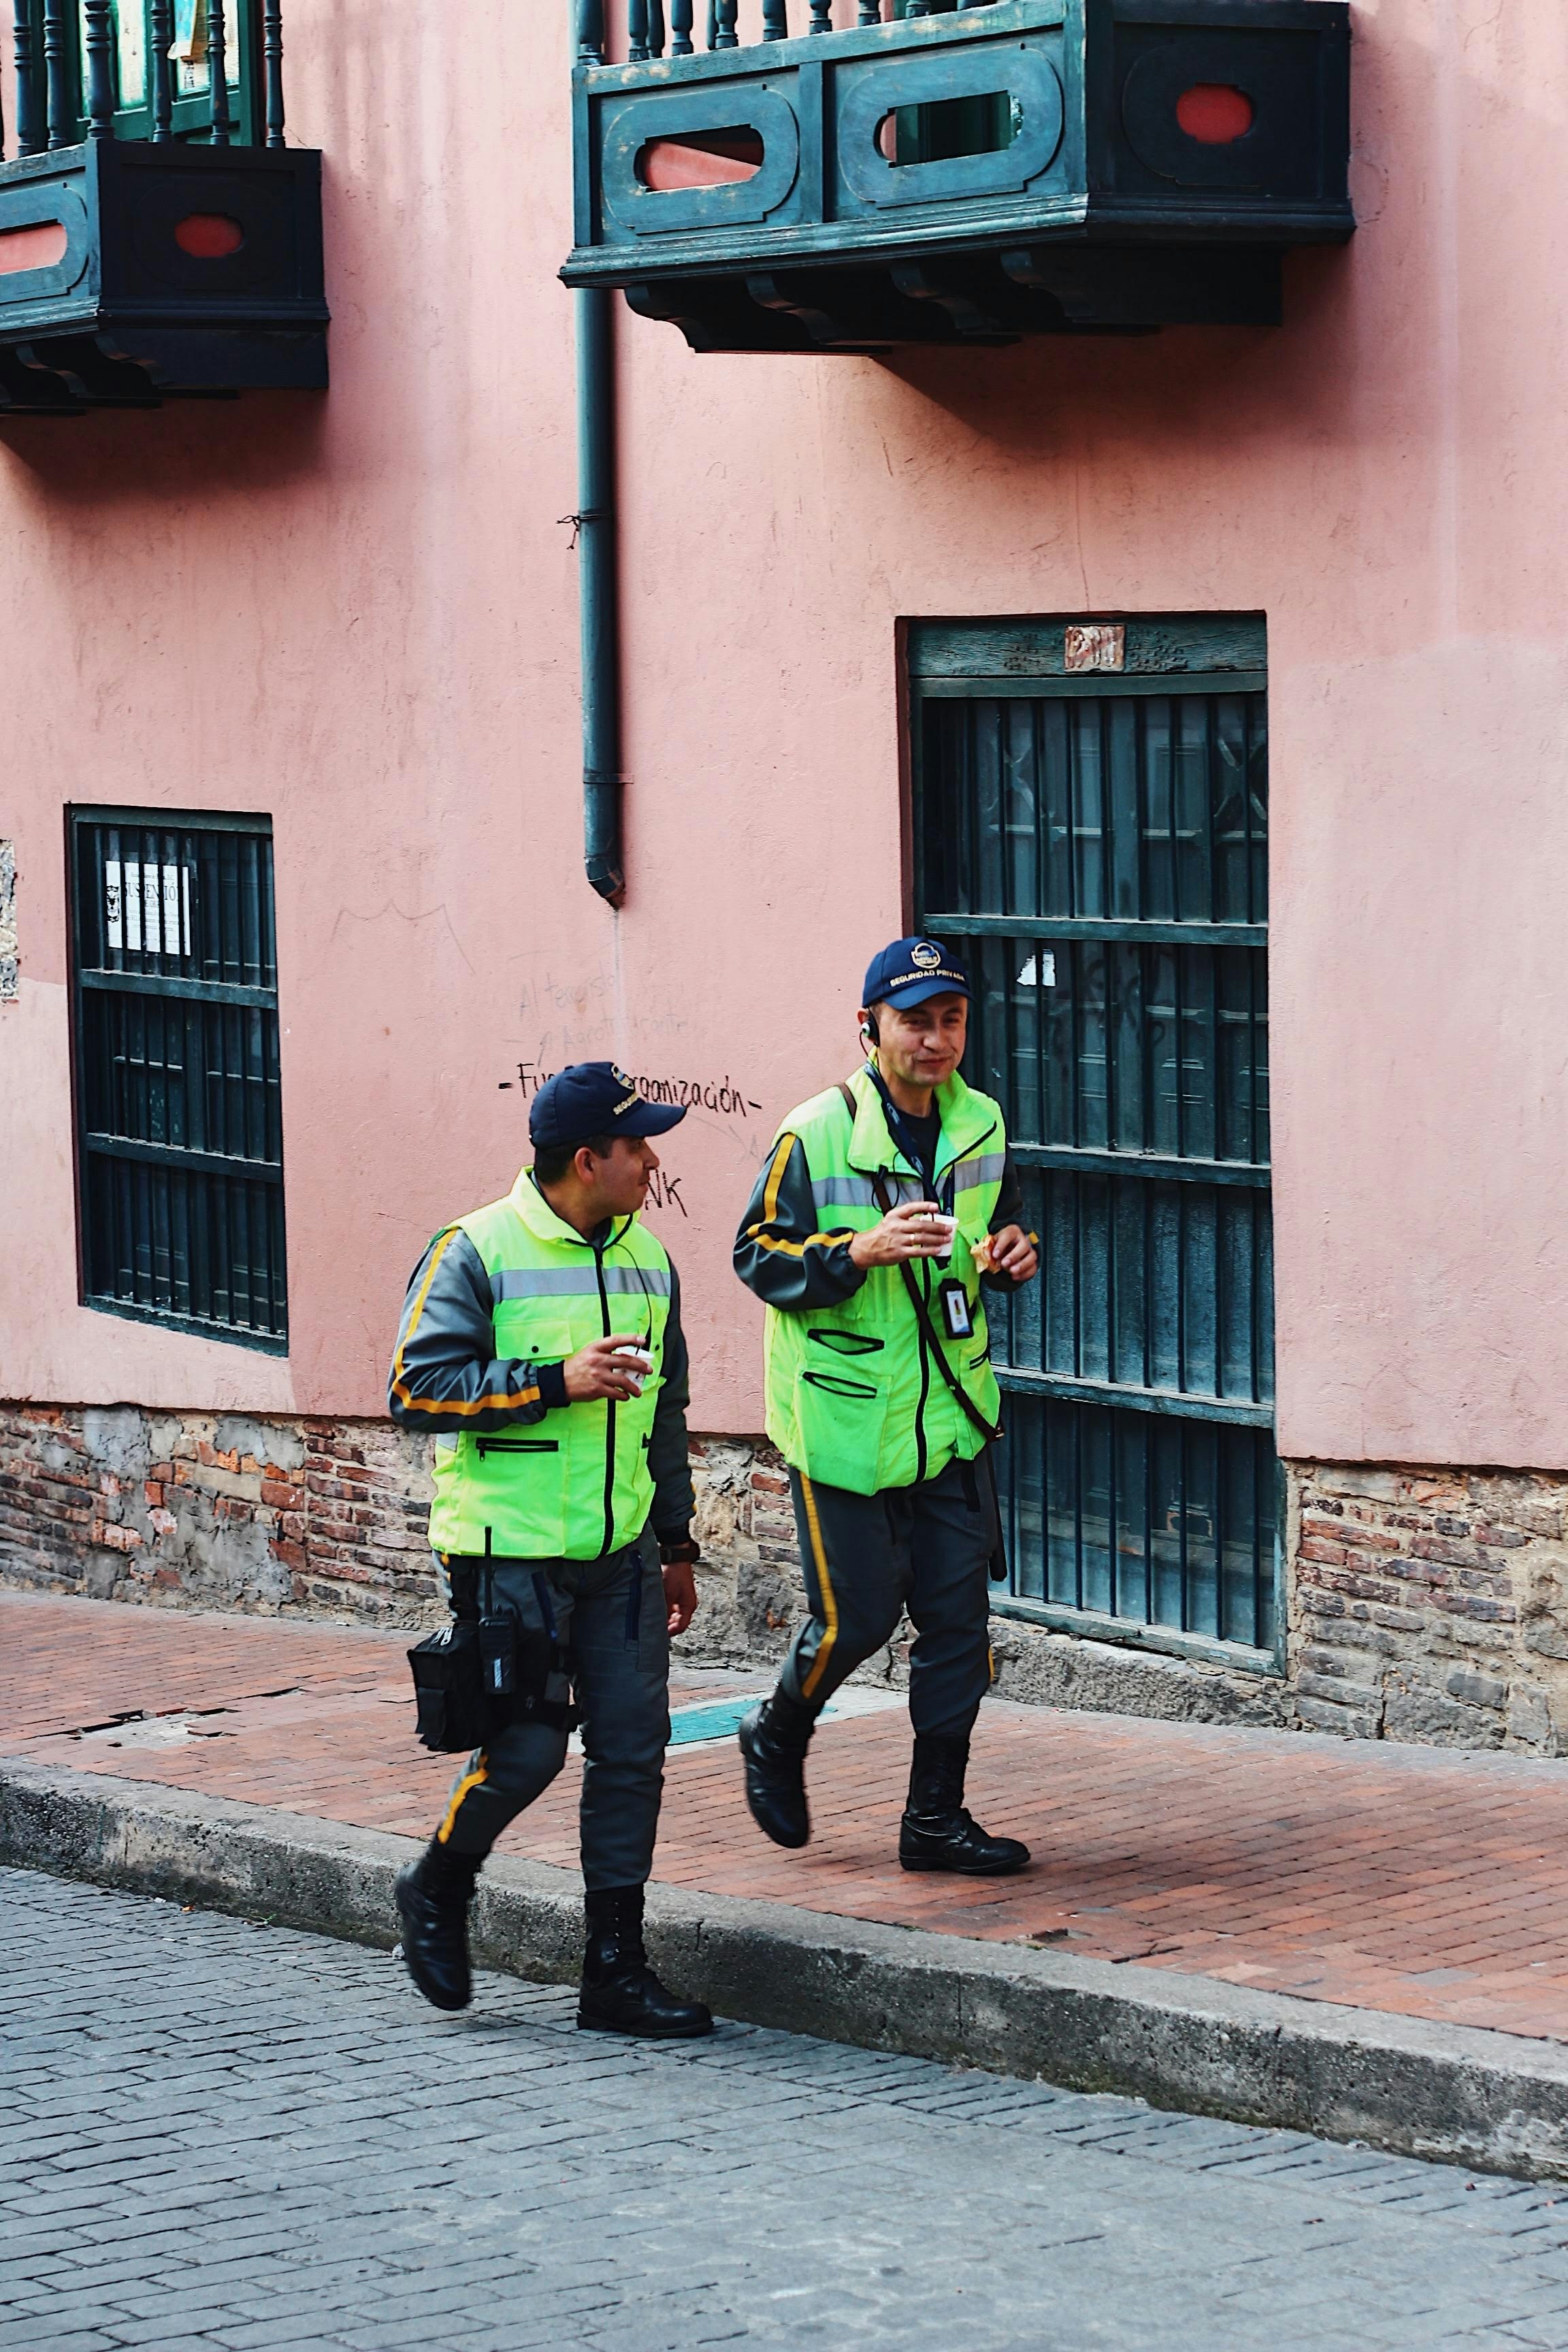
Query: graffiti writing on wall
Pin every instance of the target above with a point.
(664, 1191)
(725, 1096)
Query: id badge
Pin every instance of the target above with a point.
(957, 1320)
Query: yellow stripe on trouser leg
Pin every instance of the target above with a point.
(824, 1586)
(469, 1780)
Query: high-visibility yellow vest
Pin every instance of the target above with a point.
(852, 1396)
(575, 1484)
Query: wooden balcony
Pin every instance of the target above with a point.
(1022, 167)
(136, 269)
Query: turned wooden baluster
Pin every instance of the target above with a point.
(821, 17)
(636, 30)
(217, 70)
(725, 35)
(61, 99)
(272, 69)
(775, 20)
(161, 32)
(870, 12)
(681, 29)
(655, 28)
(99, 75)
(31, 129)
(591, 31)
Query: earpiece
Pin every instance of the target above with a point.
(869, 1035)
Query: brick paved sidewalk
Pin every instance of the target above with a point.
(1419, 1881)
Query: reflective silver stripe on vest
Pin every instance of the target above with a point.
(982, 1168)
(578, 1281)
(860, 1192)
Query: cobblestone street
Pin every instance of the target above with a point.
(229, 2135)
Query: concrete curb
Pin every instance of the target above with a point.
(1452, 2092)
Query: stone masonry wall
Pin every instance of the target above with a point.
(217, 1511)
(1429, 1606)
(1432, 1605)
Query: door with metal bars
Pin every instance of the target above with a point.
(1092, 840)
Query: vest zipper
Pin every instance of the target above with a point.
(923, 1454)
(598, 1250)
(921, 1457)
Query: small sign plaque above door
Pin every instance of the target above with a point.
(1094, 644)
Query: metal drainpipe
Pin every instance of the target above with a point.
(596, 587)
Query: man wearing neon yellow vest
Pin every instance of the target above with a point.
(883, 1206)
(540, 1344)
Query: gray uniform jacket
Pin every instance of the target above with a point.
(446, 1355)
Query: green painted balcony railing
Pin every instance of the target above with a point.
(157, 236)
(967, 174)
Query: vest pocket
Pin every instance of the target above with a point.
(839, 1415)
(483, 1445)
(846, 1343)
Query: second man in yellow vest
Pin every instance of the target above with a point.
(884, 1205)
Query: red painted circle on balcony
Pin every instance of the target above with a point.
(1214, 113)
(209, 237)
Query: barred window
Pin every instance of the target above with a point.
(179, 1118)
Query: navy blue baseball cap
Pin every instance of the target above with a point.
(910, 970)
(595, 1098)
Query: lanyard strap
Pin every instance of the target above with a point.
(922, 1312)
(905, 1140)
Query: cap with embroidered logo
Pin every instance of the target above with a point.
(595, 1098)
(913, 970)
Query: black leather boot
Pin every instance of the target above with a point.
(773, 1740)
(936, 1833)
(433, 1898)
(620, 1992)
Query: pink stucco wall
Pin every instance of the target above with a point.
(359, 613)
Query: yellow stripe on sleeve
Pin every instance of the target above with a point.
(767, 1241)
(400, 1388)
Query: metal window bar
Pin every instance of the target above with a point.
(177, 1077)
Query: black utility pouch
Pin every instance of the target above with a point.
(448, 1687)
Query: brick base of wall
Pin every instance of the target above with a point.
(1424, 1605)
(217, 1511)
(1431, 1605)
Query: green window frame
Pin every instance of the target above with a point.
(175, 1072)
(131, 51)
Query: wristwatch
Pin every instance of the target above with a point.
(687, 1551)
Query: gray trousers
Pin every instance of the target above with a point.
(867, 1557)
(611, 1614)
